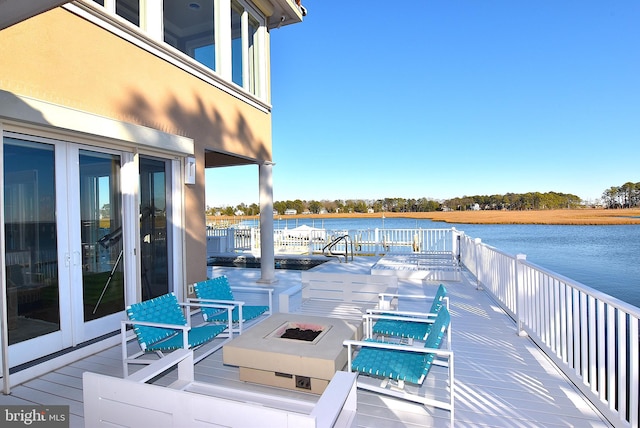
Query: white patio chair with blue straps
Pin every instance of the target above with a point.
(218, 290)
(399, 370)
(163, 324)
(405, 326)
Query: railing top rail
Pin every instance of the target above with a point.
(599, 295)
(443, 230)
(492, 248)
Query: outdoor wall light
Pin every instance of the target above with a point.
(190, 170)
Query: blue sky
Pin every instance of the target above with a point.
(441, 99)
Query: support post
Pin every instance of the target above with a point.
(267, 256)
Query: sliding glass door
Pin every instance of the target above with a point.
(155, 233)
(68, 259)
(62, 227)
(101, 234)
(31, 242)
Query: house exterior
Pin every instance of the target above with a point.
(110, 112)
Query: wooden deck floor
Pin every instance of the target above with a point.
(502, 380)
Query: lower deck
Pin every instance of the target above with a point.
(501, 379)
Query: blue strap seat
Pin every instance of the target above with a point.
(404, 328)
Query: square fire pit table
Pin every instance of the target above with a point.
(292, 351)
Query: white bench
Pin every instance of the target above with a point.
(131, 402)
(340, 295)
(434, 266)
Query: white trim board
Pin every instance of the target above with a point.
(28, 110)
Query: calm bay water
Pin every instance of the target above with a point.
(606, 258)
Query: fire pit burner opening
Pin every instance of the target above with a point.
(303, 332)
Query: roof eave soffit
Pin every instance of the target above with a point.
(281, 12)
(14, 11)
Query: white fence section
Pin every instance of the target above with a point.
(231, 240)
(312, 241)
(591, 336)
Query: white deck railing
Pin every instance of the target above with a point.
(366, 242)
(591, 336)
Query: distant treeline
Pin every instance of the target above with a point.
(625, 196)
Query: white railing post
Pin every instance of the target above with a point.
(456, 238)
(520, 306)
(477, 243)
(231, 239)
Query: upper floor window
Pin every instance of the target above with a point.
(129, 10)
(236, 44)
(189, 27)
(234, 48)
(254, 57)
(246, 49)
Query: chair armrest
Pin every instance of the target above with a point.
(209, 303)
(391, 346)
(184, 328)
(392, 313)
(424, 320)
(213, 303)
(226, 305)
(123, 331)
(385, 299)
(406, 296)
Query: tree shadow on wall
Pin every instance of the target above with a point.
(205, 124)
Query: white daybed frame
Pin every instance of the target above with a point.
(131, 402)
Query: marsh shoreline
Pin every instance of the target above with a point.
(585, 216)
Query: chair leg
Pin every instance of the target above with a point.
(123, 344)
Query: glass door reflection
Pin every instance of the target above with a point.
(31, 236)
(154, 245)
(101, 234)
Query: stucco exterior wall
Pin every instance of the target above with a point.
(64, 59)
